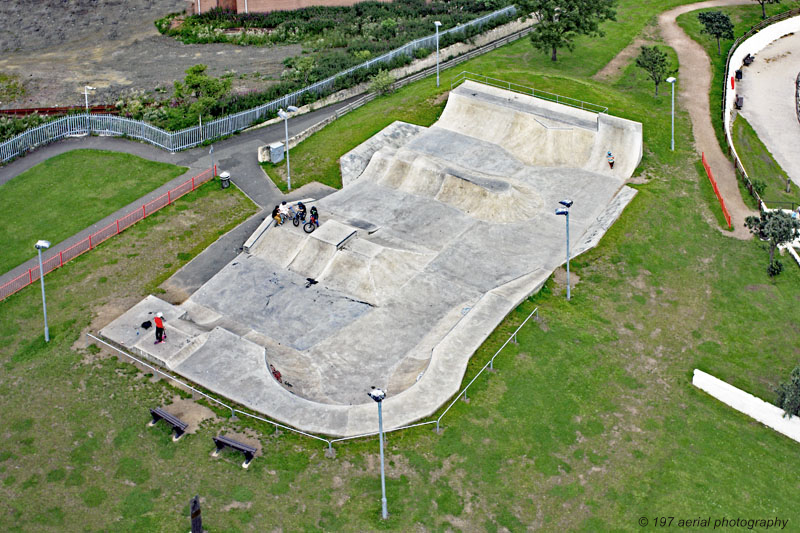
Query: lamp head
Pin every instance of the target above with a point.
(437, 23)
(90, 88)
(562, 211)
(566, 203)
(42, 245)
(671, 79)
(283, 114)
(377, 394)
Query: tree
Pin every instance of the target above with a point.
(382, 82)
(654, 61)
(560, 21)
(763, 8)
(789, 394)
(201, 85)
(778, 228)
(717, 24)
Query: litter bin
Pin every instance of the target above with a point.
(225, 179)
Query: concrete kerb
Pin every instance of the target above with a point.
(330, 452)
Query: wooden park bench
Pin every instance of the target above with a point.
(739, 101)
(221, 441)
(177, 424)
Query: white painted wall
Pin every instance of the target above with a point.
(766, 413)
(752, 46)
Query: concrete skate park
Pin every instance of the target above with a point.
(437, 234)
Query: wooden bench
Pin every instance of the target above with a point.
(739, 102)
(221, 441)
(177, 424)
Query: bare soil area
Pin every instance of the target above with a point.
(58, 46)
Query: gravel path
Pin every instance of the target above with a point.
(112, 45)
(694, 82)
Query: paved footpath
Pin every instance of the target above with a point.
(237, 155)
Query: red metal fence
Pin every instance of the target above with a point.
(58, 259)
(105, 109)
(716, 191)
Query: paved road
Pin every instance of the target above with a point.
(237, 155)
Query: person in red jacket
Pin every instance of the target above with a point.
(159, 322)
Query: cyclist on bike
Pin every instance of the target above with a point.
(314, 216)
(301, 210)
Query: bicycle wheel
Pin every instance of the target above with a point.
(309, 227)
(296, 221)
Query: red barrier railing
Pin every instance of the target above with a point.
(119, 225)
(716, 191)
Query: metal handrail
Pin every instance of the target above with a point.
(329, 442)
(523, 89)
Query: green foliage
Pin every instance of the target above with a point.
(777, 227)
(789, 394)
(655, 63)
(419, 53)
(13, 126)
(559, 22)
(10, 87)
(382, 82)
(717, 24)
(759, 186)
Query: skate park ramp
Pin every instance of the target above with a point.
(438, 234)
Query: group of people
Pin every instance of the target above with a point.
(285, 212)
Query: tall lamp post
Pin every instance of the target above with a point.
(437, 24)
(43, 245)
(671, 80)
(285, 116)
(86, 89)
(565, 211)
(378, 395)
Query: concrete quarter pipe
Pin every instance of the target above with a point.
(437, 235)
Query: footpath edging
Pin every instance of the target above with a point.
(57, 260)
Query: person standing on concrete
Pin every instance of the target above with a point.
(277, 216)
(159, 322)
(610, 159)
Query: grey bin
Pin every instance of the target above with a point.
(225, 179)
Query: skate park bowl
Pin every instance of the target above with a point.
(437, 234)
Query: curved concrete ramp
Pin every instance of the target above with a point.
(439, 233)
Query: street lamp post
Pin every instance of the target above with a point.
(285, 116)
(565, 211)
(86, 89)
(43, 245)
(437, 24)
(378, 395)
(671, 80)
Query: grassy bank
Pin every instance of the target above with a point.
(68, 193)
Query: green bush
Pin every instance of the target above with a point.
(419, 53)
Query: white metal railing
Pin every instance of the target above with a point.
(523, 89)
(462, 394)
(221, 127)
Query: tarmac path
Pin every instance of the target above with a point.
(694, 77)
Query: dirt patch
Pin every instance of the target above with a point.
(190, 412)
(560, 277)
(113, 45)
(237, 505)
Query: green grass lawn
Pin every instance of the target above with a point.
(588, 424)
(68, 193)
(760, 164)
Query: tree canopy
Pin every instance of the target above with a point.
(789, 394)
(654, 61)
(716, 24)
(777, 227)
(559, 22)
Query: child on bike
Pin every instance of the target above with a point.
(314, 216)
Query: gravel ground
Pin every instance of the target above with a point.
(58, 46)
